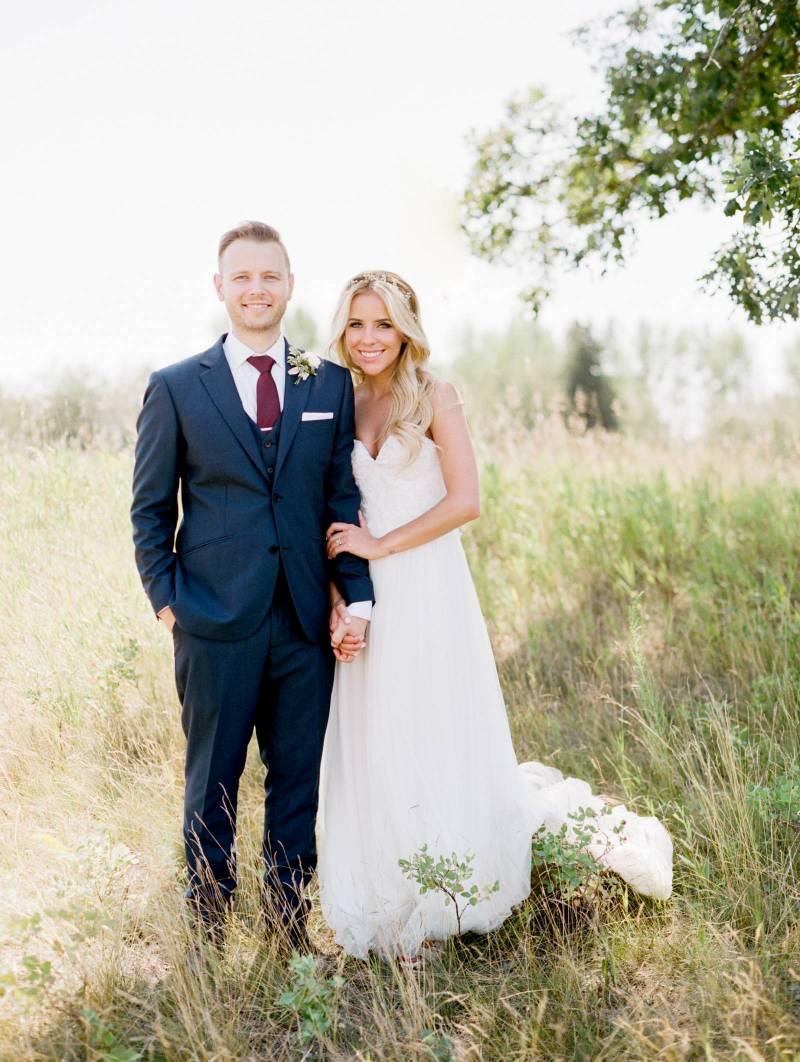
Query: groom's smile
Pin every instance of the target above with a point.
(256, 307)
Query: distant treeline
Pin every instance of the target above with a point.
(661, 384)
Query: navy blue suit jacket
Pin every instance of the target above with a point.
(239, 523)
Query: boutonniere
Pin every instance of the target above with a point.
(303, 364)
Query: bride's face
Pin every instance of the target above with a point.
(373, 341)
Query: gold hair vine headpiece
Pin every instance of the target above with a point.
(383, 278)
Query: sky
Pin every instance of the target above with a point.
(135, 133)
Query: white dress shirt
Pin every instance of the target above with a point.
(245, 376)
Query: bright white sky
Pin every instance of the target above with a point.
(137, 131)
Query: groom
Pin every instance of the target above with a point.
(256, 438)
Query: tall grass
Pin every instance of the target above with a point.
(644, 603)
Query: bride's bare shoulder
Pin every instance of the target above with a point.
(444, 396)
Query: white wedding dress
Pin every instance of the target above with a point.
(418, 749)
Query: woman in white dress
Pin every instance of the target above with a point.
(418, 750)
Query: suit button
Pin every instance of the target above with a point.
(270, 470)
(274, 549)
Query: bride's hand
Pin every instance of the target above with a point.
(347, 538)
(347, 644)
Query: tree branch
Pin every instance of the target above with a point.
(726, 25)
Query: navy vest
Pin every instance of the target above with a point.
(267, 442)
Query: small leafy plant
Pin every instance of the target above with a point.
(780, 798)
(56, 941)
(311, 998)
(440, 1046)
(567, 870)
(448, 875)
(105, 1042)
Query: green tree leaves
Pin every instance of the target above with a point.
(698, 95)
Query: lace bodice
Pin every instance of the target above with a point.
(393, 492)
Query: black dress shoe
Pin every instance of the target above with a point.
(298, 938)
(285, 911)
(208, 921)
(288, 926)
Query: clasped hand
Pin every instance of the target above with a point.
(348, 633)
(347, 538)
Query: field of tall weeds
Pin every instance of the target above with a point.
(644, 604)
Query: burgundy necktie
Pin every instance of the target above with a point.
(268, 406)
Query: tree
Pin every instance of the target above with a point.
(701, 102)
(589, 390)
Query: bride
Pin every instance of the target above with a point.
(418, 750)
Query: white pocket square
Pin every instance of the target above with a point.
(317, 416)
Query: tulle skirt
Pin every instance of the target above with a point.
(418, 753)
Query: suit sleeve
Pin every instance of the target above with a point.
(154, 511)
(349, 573)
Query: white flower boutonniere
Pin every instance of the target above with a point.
(303, 364)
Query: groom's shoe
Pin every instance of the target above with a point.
(287, 924)
(296, 937)
(209, 914)
(290, 936)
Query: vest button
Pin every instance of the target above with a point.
(270, 470)
(277, 497)
(267, 445)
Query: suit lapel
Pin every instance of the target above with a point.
(218, 381)
(295, 397)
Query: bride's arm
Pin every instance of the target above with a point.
(460, 504)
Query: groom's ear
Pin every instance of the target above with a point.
(291, 286)
(218, 286)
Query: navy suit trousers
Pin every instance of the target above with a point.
(278, 683)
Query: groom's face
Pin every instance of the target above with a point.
(255, 284)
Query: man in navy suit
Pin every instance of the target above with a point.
(255, 437)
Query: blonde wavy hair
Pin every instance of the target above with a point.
(413, 387)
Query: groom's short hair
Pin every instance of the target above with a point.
(254, 230)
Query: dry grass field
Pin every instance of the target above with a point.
(644, 603)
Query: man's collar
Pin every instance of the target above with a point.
(238, 352)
